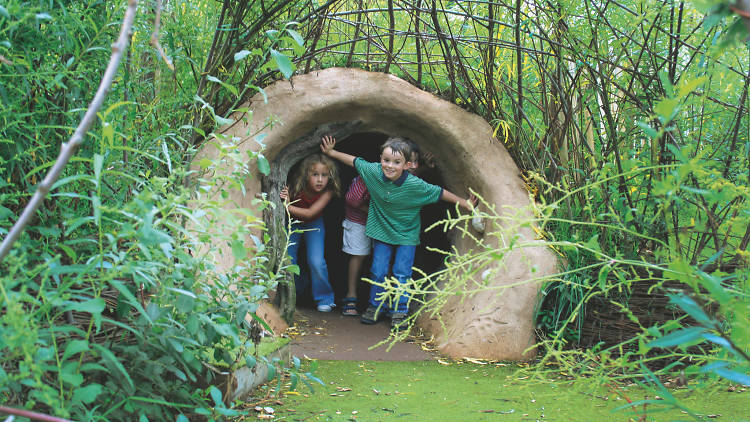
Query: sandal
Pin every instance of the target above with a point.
(371, 315)
(398, 321)
(349, 306)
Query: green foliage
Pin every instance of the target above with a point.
(113, 307)
(610, 269)
(729, 336)
(126, 304)
(53, 57)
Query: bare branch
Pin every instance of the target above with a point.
(155, 37)
(34, 416)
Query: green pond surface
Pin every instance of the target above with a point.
(434, 391)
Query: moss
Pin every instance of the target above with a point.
(269, 345)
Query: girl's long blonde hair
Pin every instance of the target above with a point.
(300, 177)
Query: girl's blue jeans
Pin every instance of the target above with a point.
(314, 234)
(402, 264)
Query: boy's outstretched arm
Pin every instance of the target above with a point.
(326, 146)
(451, 197)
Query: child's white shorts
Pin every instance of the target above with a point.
(356, 241)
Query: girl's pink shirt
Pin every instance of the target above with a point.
(303, 201)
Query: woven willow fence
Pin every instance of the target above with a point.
(563, 82)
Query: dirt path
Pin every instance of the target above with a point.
(331, 336)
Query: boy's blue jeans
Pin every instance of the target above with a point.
(314, 234)
(402, 264)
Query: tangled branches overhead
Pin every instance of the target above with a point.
(564, 83)
(561, 59)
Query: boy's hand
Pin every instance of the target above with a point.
(327, 145)
(470, 203)
(473, 201)
(476, 221)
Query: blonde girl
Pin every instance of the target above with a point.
(314, 185)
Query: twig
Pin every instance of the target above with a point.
(519, 60)
(391, 30)
(68, 149)
(155, 37)
(34, 416)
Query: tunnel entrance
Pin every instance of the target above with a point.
(360, 108)
(367, 145)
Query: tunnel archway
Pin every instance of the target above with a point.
(352, 104)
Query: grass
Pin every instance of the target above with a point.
(453, 391)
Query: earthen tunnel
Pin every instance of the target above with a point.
(361, 109)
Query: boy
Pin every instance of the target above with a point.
(356, 243)
(396, 196)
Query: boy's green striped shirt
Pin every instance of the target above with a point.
(393, 216)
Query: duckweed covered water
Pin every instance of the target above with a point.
(433, 391)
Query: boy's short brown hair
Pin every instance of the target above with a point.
(398, 145)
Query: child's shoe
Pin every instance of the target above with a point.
(398, 321)
(349, 306)
(326, 308)
(371, 315)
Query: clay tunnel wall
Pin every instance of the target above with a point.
(496, 324)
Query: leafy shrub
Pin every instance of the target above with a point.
(117, 316)
(112, 306)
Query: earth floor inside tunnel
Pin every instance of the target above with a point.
(332, 336)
